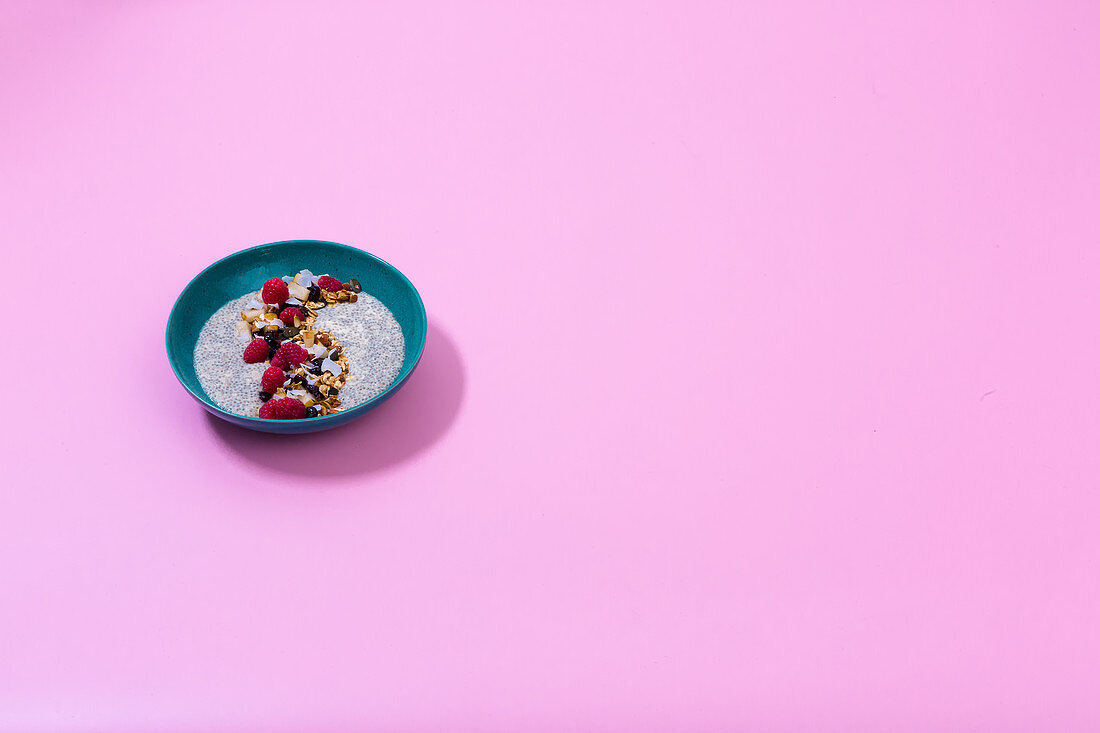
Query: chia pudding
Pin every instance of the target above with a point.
(304, 346)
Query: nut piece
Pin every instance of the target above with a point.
(297, 291)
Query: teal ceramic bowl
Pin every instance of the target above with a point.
(246, 271)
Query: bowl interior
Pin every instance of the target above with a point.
(247, 271)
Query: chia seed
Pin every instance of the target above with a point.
(370, 335)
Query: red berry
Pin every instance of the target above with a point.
(256, 351)
(278, 361)
(328, 282)
(289, 314)
(272, 379)
(275, 292)
(284, 408)
(291, 353)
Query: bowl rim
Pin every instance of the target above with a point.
(421, 314)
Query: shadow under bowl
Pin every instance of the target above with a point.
(246, 271)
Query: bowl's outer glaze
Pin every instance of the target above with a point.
(247, 270)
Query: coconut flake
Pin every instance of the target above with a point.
(328, 365)
(256, 304)
(317, 350)
(293, 301)
(306, 278)
(287, 278)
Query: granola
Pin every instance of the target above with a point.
(285, 312)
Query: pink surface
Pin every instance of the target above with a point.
(761, 388)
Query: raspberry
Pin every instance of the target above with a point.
(278, 361)
(284, 408)
(328, 282)
(272, 379)
(291, 353)
(275, 292)
(289, 314)
(256, 351)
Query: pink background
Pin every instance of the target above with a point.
(760, 392)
